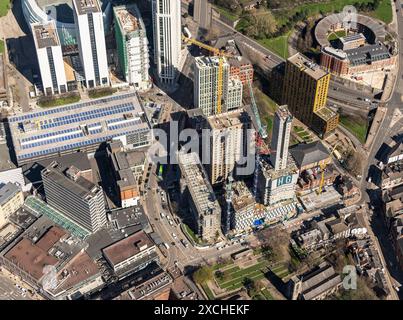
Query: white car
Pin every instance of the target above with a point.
(174, 236)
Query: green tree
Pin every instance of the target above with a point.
(203, 274)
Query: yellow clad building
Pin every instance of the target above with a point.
(305, 92)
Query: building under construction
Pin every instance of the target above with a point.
(202, 202)
(132, 46)
(278, 175)
(207, 86)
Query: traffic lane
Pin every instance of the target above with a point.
(224, 27)
(163, 227)
(9, 291)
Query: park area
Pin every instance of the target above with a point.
(357, 126)
(246, 274)
(4, 6)
(272, 25)
(48, 102)
(303, 134)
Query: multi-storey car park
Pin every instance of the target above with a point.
(82, 126)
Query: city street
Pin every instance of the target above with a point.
(9, 290)
(177, 252)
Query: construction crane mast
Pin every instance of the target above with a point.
(261, 133)
(220, 54)
(322, 168)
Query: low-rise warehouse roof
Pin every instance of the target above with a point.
(127, 248)
(305, 154)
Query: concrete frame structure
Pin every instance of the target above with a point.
(199, 194)
(132, 46)
(229, 142)
(281, 138)
(277, 179)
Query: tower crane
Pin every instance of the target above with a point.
(260, 134)
(323, 167)
(220, 54)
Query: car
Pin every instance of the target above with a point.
(171, 223)
(174, 235)
(162, 215)
(160, 94)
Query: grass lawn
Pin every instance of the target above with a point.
(265, 104)
(99, 93)
(221, 265)
(1, 46)
(267, 294)
(60, 101)
(190, 233)
(336, 35)
(356, 126)
(229, 15)
(384, 12)
(208, 292)
(266, 107)
(280, 271)
(278, 45)
(293, 141)
(238, 283)
(4, 6)
(233, 277)
(269, 123)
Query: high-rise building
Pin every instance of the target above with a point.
(132, 46)
(167, 38)
(305, 91)
(206, 86)
(50, 58)
(200, 197)
(91, 42)
(74, 196)
(229, 142)
(281, 138)
(278, 174)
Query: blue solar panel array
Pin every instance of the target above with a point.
(70, 146)
(50, 141)
(63, 137)
(88, 115)
(68, 107)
